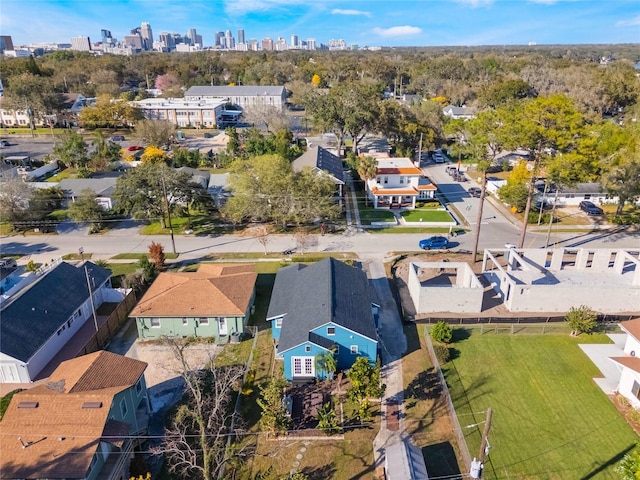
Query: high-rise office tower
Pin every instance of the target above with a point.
(81, 43)
(191, 35)
(219, 37)
(168, 41)
(147, 36)
(294, 41)
(311, 43)
(107, 39)
(229, 42)
(241, 36)
(267, 44)
(6, 43)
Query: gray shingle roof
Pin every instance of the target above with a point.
(27, 322)
(102, 187)
(313, 295)
(322, 159)
(226, 91)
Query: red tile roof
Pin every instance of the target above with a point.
(630, 362)
(632, 327)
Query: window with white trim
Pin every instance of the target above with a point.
(185, 321)
(302, 366)
(155, 322)
(307, 348)
(278, 322)
(204, 321)
(331, 330)
(354, 349)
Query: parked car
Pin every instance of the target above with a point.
(433, 242)
(117, 138)
(8, 264)
(439, 158)
(4, 143)
(450, 169)
(134, 148)
(590, 208)
(459, 177)
(475, 192)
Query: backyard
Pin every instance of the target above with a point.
(550, 420)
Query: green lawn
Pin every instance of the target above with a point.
(550, 420)
(138, 256)
(426, 215)
(369, 214)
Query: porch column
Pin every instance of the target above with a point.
(413, 201)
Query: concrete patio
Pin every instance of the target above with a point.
(599, 354)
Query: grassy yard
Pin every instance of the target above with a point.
(138, 256)
(550, 420)
(426, 215)
(200, 224)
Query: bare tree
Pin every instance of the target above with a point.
(273, 118)
(195, 443)
(261, 234)
(304, 240)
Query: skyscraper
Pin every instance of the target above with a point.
(229, 42)
(6, 43)
(192, 35)
(147, 36)
(240, 36)
(107, 39)
(267, 44)
(294, 41)
(219, 37)
(81, 43)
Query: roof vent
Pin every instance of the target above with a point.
(28, 405)
(92, 405)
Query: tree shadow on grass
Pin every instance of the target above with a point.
(460, 334)
(320, 473)
(413, 339)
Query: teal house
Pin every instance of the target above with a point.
(84, 422)
(320, 308)
(216, 301)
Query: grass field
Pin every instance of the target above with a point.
(426, 215)
(550, 420)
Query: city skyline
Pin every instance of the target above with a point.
(374, 23)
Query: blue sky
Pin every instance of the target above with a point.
(377, 22)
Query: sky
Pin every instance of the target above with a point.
(371, 23)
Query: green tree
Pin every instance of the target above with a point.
(104, 152)
(146, 269)
(629, 466)
(141, 192)
(367, 168)
(15, 199)
(515, 192)
(233, 145)
(327, 421)
(500, 93)
(73, 151)
(326, 363)
(33, 93)
(365, 383)
(86, 208)
(109, 113)
(442, 332)
(581, 320)
(274, 417)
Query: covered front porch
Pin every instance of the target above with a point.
(395, 201)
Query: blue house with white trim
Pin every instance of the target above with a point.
(319, 308)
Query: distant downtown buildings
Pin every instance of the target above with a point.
(141, 39)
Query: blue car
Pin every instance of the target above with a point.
(433, 242)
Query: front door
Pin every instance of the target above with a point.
(303, 367)
(9, 374)
(222, 326)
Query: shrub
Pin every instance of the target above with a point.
(31, 266)
(443, 354)
(581, 320)
(327, 422)
(442, 332)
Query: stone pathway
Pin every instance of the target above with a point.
(299, 457)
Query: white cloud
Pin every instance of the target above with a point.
(544, 2)
(475, 3)
(241, 7)
(632, 22)
(399, 31)
(340, 11)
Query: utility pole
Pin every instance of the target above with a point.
(477, 465)
(166, 201)
(420, 150)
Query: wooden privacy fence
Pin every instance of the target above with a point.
(108, 329)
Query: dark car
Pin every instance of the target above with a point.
(117, 138)
(475, 192)
(590, 208)
(433, 242)
(4, 143)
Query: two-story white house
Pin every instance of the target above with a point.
(629, 364)
(398, 183)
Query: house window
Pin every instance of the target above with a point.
(354, 349)
(185, 321)
(636, 390)
(278, 323)
(307, 348)
(155, 322)
(204, 321)
(123, 407)
(331, 330)
(401, 180)
(377, 179)
(139, 386)
(386, 179)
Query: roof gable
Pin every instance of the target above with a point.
(323, 160)
(314, 295)
(632, 327)
(37, 312)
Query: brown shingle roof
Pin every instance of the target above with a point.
(630, 362)
(214, 290)
(58, 438)
(632, 327)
